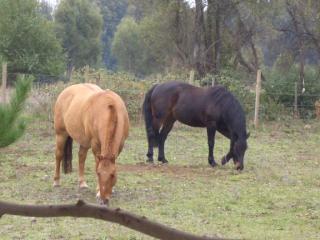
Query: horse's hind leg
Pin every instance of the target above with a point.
(60, 143)
(211, 132)
(150, 150)
(153, 140)
(82, 158)
(167, 126)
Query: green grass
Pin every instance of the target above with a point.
(277, 196)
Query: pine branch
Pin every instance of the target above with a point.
(11, 126)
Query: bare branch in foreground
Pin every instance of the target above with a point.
(82, 209)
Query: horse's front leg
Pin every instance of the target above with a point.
(82, 158)
(229, 155)
(96, 153)
(211, 132)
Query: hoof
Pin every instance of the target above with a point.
(98, 195)
(163, 161)
(83, 185)
(150, 160)
(213, 164)
(239, 166)
(56, 183)
(224, 160)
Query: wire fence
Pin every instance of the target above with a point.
(133, 90)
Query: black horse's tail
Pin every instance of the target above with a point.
(67, 156)
(152, 134)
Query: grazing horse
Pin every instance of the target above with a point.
(214, 108)
(95, 119)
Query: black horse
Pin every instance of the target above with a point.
(214, 108)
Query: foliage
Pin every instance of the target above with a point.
(127, 46)
(11, 125)
(157, 37)
(27, 39)
(79, 26)
(112, 11)
(46, 10)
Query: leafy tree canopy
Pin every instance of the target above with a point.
(79, 26)
(112, 11)
(27, 40)
(127, 46)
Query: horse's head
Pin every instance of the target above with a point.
(239, 149)
(107, 177)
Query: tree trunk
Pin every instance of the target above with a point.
(210, 65)
(4, 83)
(199, 42)
(69, 71)
(217, 42)
(177, 36)
(292, 11)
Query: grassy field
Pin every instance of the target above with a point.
(277, 196)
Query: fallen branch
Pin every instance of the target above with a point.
(82, 209)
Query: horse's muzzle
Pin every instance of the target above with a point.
(103, 202)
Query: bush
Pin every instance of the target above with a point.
(280, 88)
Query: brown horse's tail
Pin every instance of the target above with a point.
(152, 134)
(67, 156)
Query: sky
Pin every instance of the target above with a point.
(53, 3)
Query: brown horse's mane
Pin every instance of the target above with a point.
(108, 151)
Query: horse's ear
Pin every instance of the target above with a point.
(248, 135)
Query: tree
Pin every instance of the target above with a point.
(127, 46)
(163, 29)
(11, 126)
(79, 26)
(200, 41)
(27, 40)
(46, 10)
(112, 11)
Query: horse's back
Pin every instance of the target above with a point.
(82, 109)
(70, 106)
(180, 101)
(165, 95)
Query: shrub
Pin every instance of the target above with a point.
(280, 88)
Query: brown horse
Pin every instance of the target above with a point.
(95, 119)
(214, 108)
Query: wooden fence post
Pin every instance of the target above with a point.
(86, 74)
(191, 78)
(4, 82)
(98, 80)
(213, 81)
(257, 103)
(295, 104)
